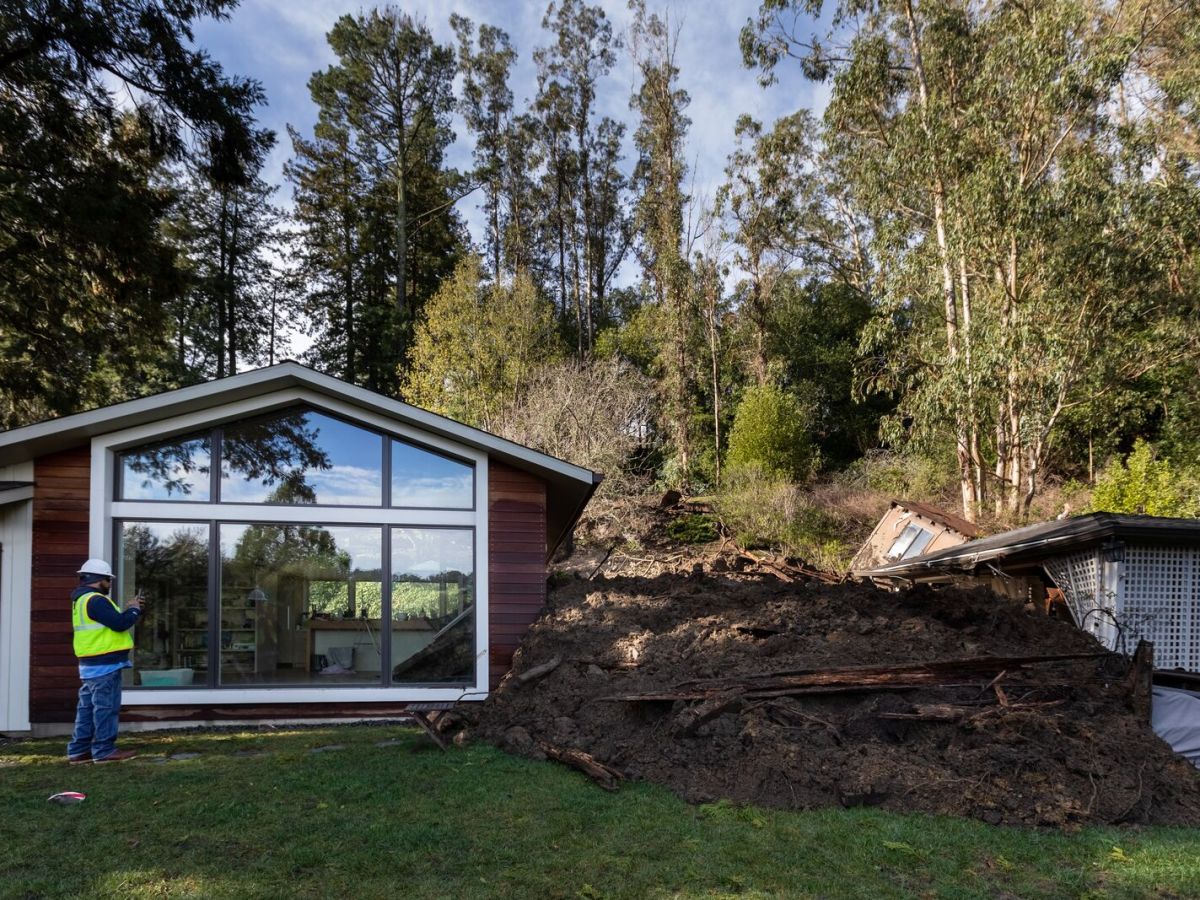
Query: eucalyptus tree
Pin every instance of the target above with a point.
(662, 126)
(487, 108)
(979, 141)
(581, 178)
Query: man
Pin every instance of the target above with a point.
(102, 643)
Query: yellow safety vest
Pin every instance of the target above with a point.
(92, 638)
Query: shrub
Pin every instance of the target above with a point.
(1144, 484)
(763, 511)
(693, 529)
(771, 434)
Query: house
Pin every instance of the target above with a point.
(307, 549)
(909, 529)
(1124, 578)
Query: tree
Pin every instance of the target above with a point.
(374, 199)
(1147, 485)
(978, 142)
(771, 434)
(227, 230)
(581, 185)
(662, 127)
(487, 105)
(478, 345)
(84, 272)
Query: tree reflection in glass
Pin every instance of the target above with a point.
(171, 470)
(168, 563)
(301, 457)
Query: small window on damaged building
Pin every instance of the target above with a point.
(912, 542)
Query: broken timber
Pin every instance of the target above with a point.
(605, 776)
(849, 678)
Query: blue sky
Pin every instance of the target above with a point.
(282, 43)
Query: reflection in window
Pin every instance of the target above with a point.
(433, 605)
(168, 563)
(300, 604)
(301, 457)
(172, 470)
(913, 539)
(425, 479)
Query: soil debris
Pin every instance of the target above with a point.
(805, 694)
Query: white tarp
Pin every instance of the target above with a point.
(1176, 719)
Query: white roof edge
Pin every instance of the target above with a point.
(207, 395)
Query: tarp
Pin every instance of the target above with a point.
(1176, 719)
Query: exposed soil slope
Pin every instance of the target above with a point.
(1058, 744)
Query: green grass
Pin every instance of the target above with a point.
(409, 820)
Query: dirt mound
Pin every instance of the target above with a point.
(739, 688)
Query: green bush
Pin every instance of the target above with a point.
(1144, 484)
(693, 529)
(771, 433)
(769, 512)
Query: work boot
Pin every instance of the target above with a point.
(79, 759)
(117, 756)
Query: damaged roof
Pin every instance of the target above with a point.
(1034, 543)
(939, 516)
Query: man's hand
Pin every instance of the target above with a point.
(136, 603)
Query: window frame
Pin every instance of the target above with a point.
(107, 512)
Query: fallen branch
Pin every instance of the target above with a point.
(539, 671)
(605, 776)
(688, 722)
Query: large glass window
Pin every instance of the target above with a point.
(301, 456)
(425, 479)
(300, 604)
(168, 563)
(172, 470)
(433, 605)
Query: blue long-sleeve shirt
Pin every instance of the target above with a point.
(99, 609)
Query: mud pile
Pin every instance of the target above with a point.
(730, 661)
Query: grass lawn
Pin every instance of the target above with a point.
(270, 815)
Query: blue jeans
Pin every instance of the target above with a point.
(96, 717)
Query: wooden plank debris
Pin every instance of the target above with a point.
(848, 678)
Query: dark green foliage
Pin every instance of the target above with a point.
(84, 272)
(772, 433)
(694, 528)
(373, 199)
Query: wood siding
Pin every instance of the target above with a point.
(60, 544)
(517, 555)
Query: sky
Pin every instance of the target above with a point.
(282, 43)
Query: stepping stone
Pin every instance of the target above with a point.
(180, 757)
(329, 747)
(392, 743)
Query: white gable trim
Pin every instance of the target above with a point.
(104, 510)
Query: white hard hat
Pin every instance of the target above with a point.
(96, 567)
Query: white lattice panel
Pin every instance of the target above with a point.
(1159, 603)
(1078, 576)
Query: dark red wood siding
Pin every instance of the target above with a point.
(517, 561)
(61, 499)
